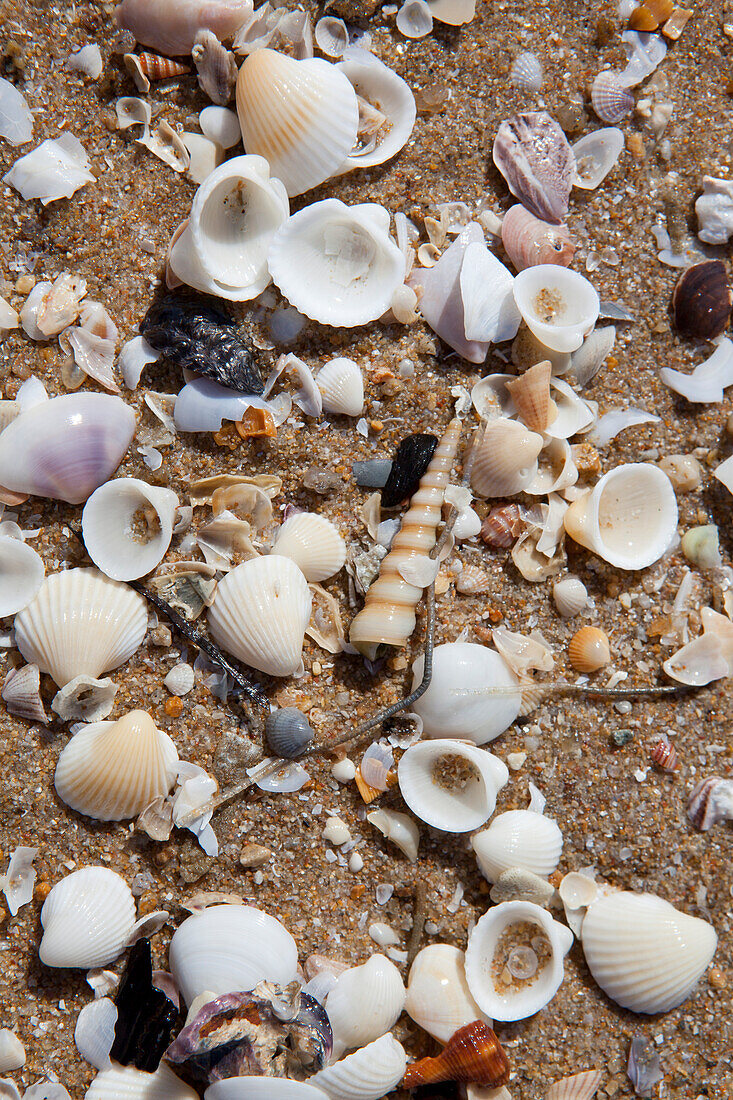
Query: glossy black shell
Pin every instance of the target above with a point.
(410, 463)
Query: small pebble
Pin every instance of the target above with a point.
(515, 760)
(336, 831)
(343, 771)
(717, 978)
(622, 736)
(356, 863)
(24, 284)
(173, 707)
(254, 855)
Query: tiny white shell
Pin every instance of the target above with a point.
(473, 693)
(127, 1083)
(313, 543)
(526, 72)
(127, 526)
(438, 998)
(364, 1004)
(87, 919)
(451, 785)
(180, 680)
(414, 19)
(570, 596)
(368, 1074)
(399, 828)
(342, 387)
(21, 574)
(84, 699)
(331, 35)
(518, 838)
(559, 306)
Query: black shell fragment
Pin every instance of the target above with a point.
(701, 300)
(410, 463)
(201, 338)
(145, 1016)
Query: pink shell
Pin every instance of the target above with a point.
(664, 755)
(711, 801)
(533, 156)
(611, 101)
(529, 241)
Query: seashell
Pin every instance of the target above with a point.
(113, 770)
(591, 355)
(531, 396)
(341, 385)
(665, 755)
(650, 15)
(489, 311)
(438, 998)
(714, 210)
(331, 35)
(589, 649)
(701, 301)
(227, 948)
(473, 1054)
(533, 155)
(262, 1088)
(414, 19)
(629, 519)
(570, 596)
(216, 68)
(87, 919)
(386, 111)
(301, 116)
(526, 72)
(55, 169)
(684, 471)
(21, 695)
(9, 318)
(706, 658)
(473, 693)
(260, 612)
(81, 622)
(365, 1003)
(450, 785)
(336, 264)
(453, 12)
(595, 155)
(581, 1086)
(94, 1033)
(528, 241)
(84, 699)
(16, 117)
(127, 527)
(160, 68)
(399, 828)
(127, 1083)
(12, 1051)
(180, 680)
(555, 468)
(518, 838)
(221, 126)
(473, 581)
(518, 885)
(711, 801)
(313, 543)
(388, 615)
(368, 1074)
(21, 574)
(700, 545)
(514, 959)
(645, 955)
(502, 526)
(288, 732)
(559, 306)
(505, 461)
(66, 447)
(709, 379)
(171, 26)
(612, 101)
(528, 350)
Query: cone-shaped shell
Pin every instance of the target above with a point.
(505, 461)
(438, 998)
(21, 575)
(127, 1083)
(80, 623)
(529, 241)
(87, 919)
(531, 396)
(473, 1055)
(365, 1003)
(518, 838)
(127, 526)
(113, 770)
(367, 1074)
(313, 543)
(645, 954)
(260, 613)
(450, 785)
(342, 387)
(301, 116)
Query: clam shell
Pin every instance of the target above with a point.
(529, 241)
(288, 732)
(301, 116)
(533, 156)
(559, 306)
(526, 72)
(450, 785)
(94, 1033)
(364, 1003)
(12, 1051)
(127, 527)
(262, 1088)
(518, 838)
(87, 919)
(21, 695)
(391, 97)
(313, 543)
(368, 1074)
(342, 387)
(570, 596)
(459, 701)
(473, 1054)
(589, 649)
(260, 612)
(581, 1086)
(701, 302)
(643, 953)
(505, 461)
(114, 770)
(438, 998)
(612, 101)
(21, 575)
(127, 1083)
(80, 622)
(171, 26)
(595, 155)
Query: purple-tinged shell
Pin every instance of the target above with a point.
(711, 801)
(701, 300)
(644, 1069)
(611, 100)
(534, 157)
(529, 241)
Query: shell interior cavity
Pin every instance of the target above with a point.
(450, 785)
(386, 111)
(559, 306)
(127, 526)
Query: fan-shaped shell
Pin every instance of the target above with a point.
(127, 1083)
(612, 101)
(559, 306)
(87, 919)
(438, 998)
(127, 526)
(342, 387)
(313, 543)
(114, 770)
(570, 596)
(645, 954)
(505, 461)
(80, 623)
(518, 838)
(450, 785)
(581, 1086)
(288, 732)
(529, 241)
(526, 72)
(379, 87)
(473, 693)
(262, 1088)
(365, 1003)
(260, 613)
(21, 575)
(530, 394)
(368, 1074)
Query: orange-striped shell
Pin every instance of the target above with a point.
(589, 649)
(528, 241)
(473, 1056)
(156, 67)
(664, 755)
(502, 526)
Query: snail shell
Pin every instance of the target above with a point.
(529, 241)
(473, 1055)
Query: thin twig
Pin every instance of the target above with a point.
(419, 916)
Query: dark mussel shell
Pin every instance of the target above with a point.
(145, 1016)
(410, 463)
(701, 300)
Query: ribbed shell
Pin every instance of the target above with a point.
(533, 155)
(365, 1003)
(156, 67)
(570, 596)
(529, 241)
(473, 1054)
(87, 919)
(388, 614)
(505, 460)
(342, 387)
(262, 1088)
(612, 102)
(438, 998)
(113, 770)
(588, 649)
(301, 116)
(518, 838)
(128, 1083)
(531, 396)
(81, 622)
(581, 1086)
(313, 543)
(645, 954)
(368, 1074)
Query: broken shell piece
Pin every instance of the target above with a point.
(21, 574)
(532, 153)
(711, 801)
(518, 838)
(85, 699)
(516, 884)
(505, 461)
(489, 311)
(21, 695)
(216, 68)
(560, 306)
(438, 998)
(581, 1086)
(341, 384)
(709, 379)
(205, 156)
(368, 1074)
(595, 155)
(9, 320)
(166, 144)
(16, 117)
(313, 543)
(555, 469)
(132, 111)
(364, 1004)
(399, 828)
(714, 210)
(473, 1054)
(529, 241)
(171, 28)
(55, 169)
(591, 355)
(18, 882)
(708, 657)
(386, 111)
(58, 307)
(94, 1033)
(87, 919)
(187, 592)
(127, 527)
(473, 694)
(450, 785)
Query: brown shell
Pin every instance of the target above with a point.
(649, 15)
(701, 300)
(589, 649)
(531, 396)
(502, 526)
(256, 422)
(664, 755)
(473, 1055)
(160, 68)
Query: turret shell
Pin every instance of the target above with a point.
(313, 543)
(518, 838)
(87, 919)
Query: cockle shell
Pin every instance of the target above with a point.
(66, 447)
(127, 1083)
(581, 1086)
(301, 116)
(365, 1003)
(529, 241)
(21, 695)
(12, 1051)
(313, 543)
(612, 101)
(331, 35)
(589, 649)
(505, 461)
(341, 385)
(21, 574)
(595, 155)
(386, 110)
(450, 785)
(171, 26)
(127, 527)
(80, 622)
(526, 72)
(288, 732)
(114, 770)
(533, 156)
(701, 301)
(473, 1054)
(518, 838)
(87, 919)
(414, 19)
(262, 1088)
(570, 596)
(559, 306)
(94, 1033)
(645, 954)
(473, 694)
(438, 998)
(368, 1074)
(711, 801)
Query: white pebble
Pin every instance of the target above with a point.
(384, 892)
(336, 831)
(515, 760)
(356, 863)
(343, 770)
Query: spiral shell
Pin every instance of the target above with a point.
(529, 241)
(156, 67)
(665, 755)
(589, 649)
(473, 1055)
(611, 101)
(502, 526)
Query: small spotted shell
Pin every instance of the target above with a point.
(589, 649)
(611, 101)
(529, 241)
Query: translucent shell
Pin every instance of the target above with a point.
(518, 838)
(473, 1054)
(438, 997)
(313, 543)
(87, 919)
(21, 575)
(611, 100)
(595, 155)
(450, 785)
(529, 241)
(367, 1074)
(127, 526)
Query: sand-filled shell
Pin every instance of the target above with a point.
(386, 111)
(80, 623)
(533, 155)
(518, 838)
(301, 116)
(559, 306)
(114, 770)
(127, 1083)
(645, 954)
(505, 461)
(87, 919)
(21, 575)
(450, 785)
(127, 526)
(473, 694)
(368, 1074)
(473, 1055)
(595, 155)
(438, 998)
(529, 241)
(701, 301)
(260, 613)
(612, 101)
(341, 385)
(313, 543)
(364, 1003)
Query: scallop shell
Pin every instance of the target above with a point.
(526, 72)
(589, 649)
(460, 701)
(114, 770)
(438, 998)
(533, 156)
(531, 396)
(21, 695)
(66, 447)
(570, 596)
(450, 785)
(288, 732)
(171, 26)
(342, 387)
(595, 155)
(473, 1054)
(386, 111)
(127, 527)
(529, 241)
(12, 1051)
(127, 1083)
(87, 919)
(701, 301)
(81, 622)
(559, 306)
(313, 543)
(301, 116)
(364, 1003)
(505, 461)
(21, 575)
(262, 1088)
(518, 838)
(643, 953)
(611, 100)
(368, 1074)
(581, 1086)
(228, 948)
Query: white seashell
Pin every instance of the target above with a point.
(21, 574)
(8, 1089)
(16, 117)
(171, 26)
(453, 12)
(559, 306)
(134, 356)
(301, 116)
(368, 1074)
(262, 1088)
(46, 313)
(132, 111)
(629, 519)
(216, 67)
(438, 998)
(645, 53)
(518, 885)
(414, 19)
(450, 785)
(66, 447)
(595, 155)
(127, 1083)
(570, 596)
(12, 1051)
(21, 695)
(337, 264)
(55, 169)
(708, 380)
(331, 35)
(526, 72)
(617, 420)
(114, 770)
(260, 613)
(202, 404)
(127, 526)
(386, 110)
(85, 699)
(510, 979)
(9, 319)
(399, 828)
(87, 60)
(581, 1086)
(714, 210)
(489, 310)
(577, 890)
(227, 948)
(491, 398)
(518, 838)
(205, 155)
(364, 1004)
(95, 1032)
(87, 919)
(92, 343)
(591, 355)
(221, 126)
(705, 658)
(643, 953)
(313, 543)
(473, 693)
(342, 387)
(81, 622)
(612, 101)
(505, 461)
(573, 413)
(180, 680)
(555, 469)
(724, 473)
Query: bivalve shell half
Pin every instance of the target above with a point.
(87, 919)
(367, 1074)
(21, 575)
(701, 301)
(342, 387)
(473, 693)
(364, 1004)
(438, 998)
(529, 241)
(260, 613)
(559, 306)
(450, 785)
(645, 954)
(505, 461)
(518, 838)
(127, 526)
(612, 101)
(581, 1086)
(313, 543)
(589, 649)
(595, 155)
(533, 155)
(127, 1083)
(262, 1088)
(570, 596)
(386, 111)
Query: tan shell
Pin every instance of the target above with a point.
(313, 543)
(589, 649)
(506, 459)
(529, 241)
(531, 396)
(581, 1086)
